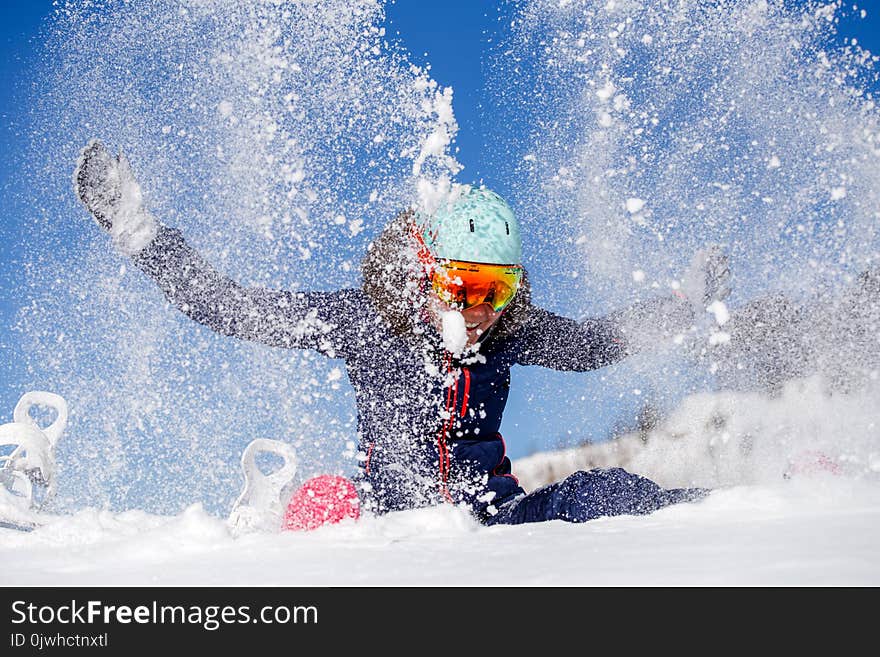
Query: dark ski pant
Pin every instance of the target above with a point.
(587, 495)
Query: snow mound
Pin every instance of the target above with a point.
(816, 531)
(735, 438)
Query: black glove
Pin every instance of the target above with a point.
(96, 182)
(708, 277)
(108, 189)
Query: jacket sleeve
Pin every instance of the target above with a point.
(278, 318)
(565, 344)
(561, 343)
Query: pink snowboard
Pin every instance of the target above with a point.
(322, 500)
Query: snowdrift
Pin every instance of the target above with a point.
(810, 530)
(779, 516)
(718, 439)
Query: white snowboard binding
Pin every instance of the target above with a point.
(261, 505)
(27, 472)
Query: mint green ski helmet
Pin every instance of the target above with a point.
(478, 227)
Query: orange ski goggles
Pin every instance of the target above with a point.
(464, 284)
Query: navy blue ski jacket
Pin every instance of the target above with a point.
(428, 423)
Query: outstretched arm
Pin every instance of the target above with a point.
(278, 318)
(316, 320)
(560, 343)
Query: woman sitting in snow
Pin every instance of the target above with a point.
(428, 341)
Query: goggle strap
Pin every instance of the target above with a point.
(423, 252)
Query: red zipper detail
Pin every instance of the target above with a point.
(369, 454)
(467, 391)
(442, 448)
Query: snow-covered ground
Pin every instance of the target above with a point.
(810, 530)
(777, 516)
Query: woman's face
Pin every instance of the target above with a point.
(477, 319)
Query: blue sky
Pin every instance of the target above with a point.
(19, 25)
(450, 35)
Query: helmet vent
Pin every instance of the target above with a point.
(478, 227)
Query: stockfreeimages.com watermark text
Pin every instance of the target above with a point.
(209, 617)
